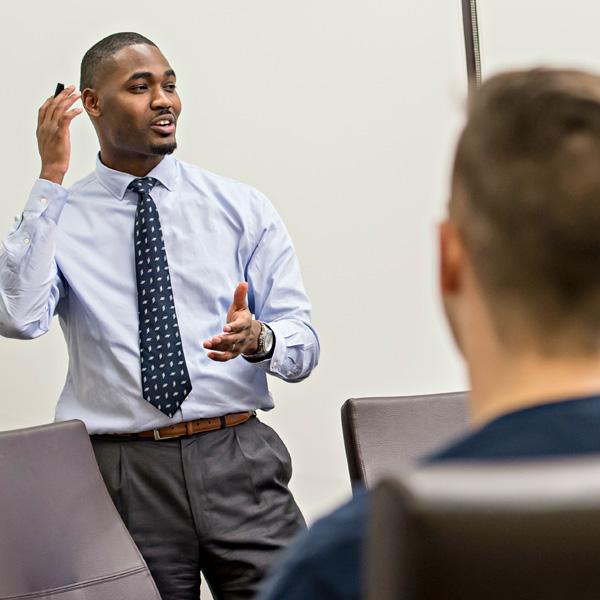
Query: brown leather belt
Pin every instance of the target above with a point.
(188, 427)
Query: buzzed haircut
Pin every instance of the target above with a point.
(526, 197)
(100, 53)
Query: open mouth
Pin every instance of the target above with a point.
(163, 125)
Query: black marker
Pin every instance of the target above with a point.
(59, 88)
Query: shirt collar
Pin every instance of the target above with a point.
(116, 182)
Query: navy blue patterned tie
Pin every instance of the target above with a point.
(165, 378)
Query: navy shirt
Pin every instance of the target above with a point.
(326, 562)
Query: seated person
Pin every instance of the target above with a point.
(520, 282)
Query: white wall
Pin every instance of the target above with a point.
(345, 114)
(518, 34)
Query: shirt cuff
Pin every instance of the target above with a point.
(46, 198)
(281, 362)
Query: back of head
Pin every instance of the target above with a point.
(100, 54)
(526, 198)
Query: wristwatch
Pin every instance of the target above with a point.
(266, 340)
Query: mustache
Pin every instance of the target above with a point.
(165, 112)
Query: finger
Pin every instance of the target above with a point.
(63, 101)
(239, 297)
(242, 323)
(224, 342)
(64, 106)
(43, 110)
(226, 346)
(221, 356)
(53, 101)
(69, 116)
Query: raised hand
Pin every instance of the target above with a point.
(240, 334)
(54, 139)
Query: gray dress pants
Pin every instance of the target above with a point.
(217, 502)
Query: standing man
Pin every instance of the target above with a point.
(142, 261)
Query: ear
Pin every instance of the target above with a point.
(91, 102)
(452, 257)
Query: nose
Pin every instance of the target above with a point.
(161, 98)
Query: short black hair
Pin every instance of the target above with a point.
(527, 202)
(102, 51)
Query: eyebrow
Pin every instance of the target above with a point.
(149, 75)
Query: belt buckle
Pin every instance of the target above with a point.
(158, 437)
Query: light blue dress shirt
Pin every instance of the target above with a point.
(71, 253)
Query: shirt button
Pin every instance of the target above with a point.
(26, 241)
(275, 364)
(43, 201)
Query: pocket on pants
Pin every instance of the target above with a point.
(278, 450)
(110, 462)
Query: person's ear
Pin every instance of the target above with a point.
(91, 102)
(452, 255)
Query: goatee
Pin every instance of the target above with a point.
(163, 149)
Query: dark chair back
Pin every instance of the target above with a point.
(388, 435)
(495, 531)
(61, 537)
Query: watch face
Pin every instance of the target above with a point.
(268, 343)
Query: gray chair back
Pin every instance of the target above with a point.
(389, 435)
(61, 537)
(471, 531)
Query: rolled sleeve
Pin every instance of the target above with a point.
(295, 354)
(278, 298)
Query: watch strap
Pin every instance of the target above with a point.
(262, 352)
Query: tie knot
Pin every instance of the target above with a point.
(142, 185)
